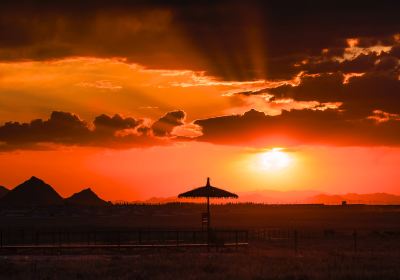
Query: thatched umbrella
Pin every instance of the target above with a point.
(208, 191)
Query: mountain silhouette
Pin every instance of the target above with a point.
(3, 191)
(85, 197)
(294, 197)
(370, 198)
(33, 192)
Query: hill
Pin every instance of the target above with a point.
(33, 192)
(85, 197)
(3, 191)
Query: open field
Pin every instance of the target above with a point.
(285, 242)
(256, 262)
(187, 215)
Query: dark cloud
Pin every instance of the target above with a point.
(165, 125)
(295, 127)
(233, 40)
(366, 83)
(298, 127)
(395, 51)
(360, 96)
(63, 128)
(107, 124)
(237, 40)
(277, 33)
(362, 63)
(324, 88)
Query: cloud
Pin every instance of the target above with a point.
(101, 84)
(269, 104)
(368, 81)
(350, 59)
(300, 127)
(360, 93)
(64, 128)
(232, 40)
(114, 123)
(61, 127)
(253, 128)
(165, 125)
(263, 55)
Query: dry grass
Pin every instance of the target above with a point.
(256, 262)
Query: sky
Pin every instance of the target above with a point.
(141, 99)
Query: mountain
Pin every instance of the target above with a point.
(259, 196)
(292, 197)
(33, 192)
(3, 191)
(277, 197)
(370, 198)
(85, 197)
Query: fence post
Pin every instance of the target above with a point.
(355, 240)
(236, 239)
(296, 242)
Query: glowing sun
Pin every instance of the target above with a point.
(274, 160)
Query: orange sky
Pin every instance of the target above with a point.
(166, 171)
(90, 86)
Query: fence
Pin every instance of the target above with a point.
(137, 238)
(326, 239)
(279, 238)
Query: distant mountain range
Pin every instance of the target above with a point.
(294, 197)
(35, 192)
(352, 198)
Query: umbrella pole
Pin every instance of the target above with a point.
(208, 213)
(208, 222)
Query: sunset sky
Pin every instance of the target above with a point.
(147, 99)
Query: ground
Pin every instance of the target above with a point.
(326, 248)
(259, 261)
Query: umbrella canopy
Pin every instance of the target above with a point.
(208, 191)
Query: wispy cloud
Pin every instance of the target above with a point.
(101, 84)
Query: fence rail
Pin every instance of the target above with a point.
(97, 238)
(31, 239)
(326, 239)
(271, 234)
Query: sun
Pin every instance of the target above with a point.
(274, 160)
